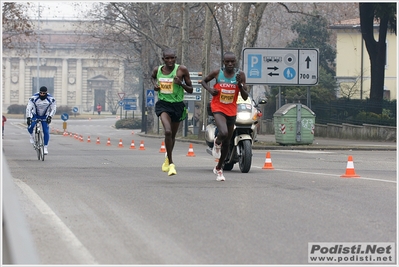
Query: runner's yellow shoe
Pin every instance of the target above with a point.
(172, 170)
(165, 165)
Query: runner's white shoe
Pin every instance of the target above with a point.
(220, 177)
(45, 150)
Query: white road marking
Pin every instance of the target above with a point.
(76, 247)
(334, 175)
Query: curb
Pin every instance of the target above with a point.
(276, 146)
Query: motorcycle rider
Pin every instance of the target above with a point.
(40, 106)
(230, 82)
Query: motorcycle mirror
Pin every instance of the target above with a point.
(262, 101)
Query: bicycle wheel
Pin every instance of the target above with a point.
(41, 145)
(37, 143)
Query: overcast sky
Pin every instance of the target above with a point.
(58, 10)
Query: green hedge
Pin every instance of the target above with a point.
(21, 109)
(16, 109)
(128, 124)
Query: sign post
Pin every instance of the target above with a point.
(64, 117)
(75, 110)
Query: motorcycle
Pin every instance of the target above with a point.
(244, 135)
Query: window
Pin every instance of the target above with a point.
(48, 82)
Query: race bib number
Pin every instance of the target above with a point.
(227, 96)
(166, 85)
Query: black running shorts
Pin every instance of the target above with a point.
(176, 111)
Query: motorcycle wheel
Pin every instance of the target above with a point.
(245, 157)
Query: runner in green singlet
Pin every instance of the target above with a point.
(170, 80)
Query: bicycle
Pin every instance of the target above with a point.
(39, 140)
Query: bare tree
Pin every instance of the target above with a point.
(17, 27)
(385, 14)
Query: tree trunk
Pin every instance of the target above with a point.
(256, 22)
(185, 33)
(206, 50)
(377, 53)
(242, 24)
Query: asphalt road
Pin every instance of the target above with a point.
(90, 203)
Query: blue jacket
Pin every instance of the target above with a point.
(41, 108)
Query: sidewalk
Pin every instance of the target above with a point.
(320, 143)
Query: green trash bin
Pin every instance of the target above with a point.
(294, 124)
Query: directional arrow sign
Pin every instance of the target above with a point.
(281, 66)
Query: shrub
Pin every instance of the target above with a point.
(128, 124)
(373, 118)
(16, 109)
(63, 109)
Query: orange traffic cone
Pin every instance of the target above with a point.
(88, 139)
(132, 132)
(163, 149)
(350, 169)
(142, 145)
(190, 152)
(120, 143)
(132, 145)
(109, 142)
(81, 138)
(268, 162)
(98, 140)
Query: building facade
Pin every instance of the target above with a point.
(353, 63)
(71, 67)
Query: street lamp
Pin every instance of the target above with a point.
(38, 47)
(220, 34)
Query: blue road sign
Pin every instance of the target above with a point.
(75, 109)
(64, 116)
(289, 73)
(150, 102)
(130, 103)
(150, 98)
(254, 66)
(150, 93)
(120, 103)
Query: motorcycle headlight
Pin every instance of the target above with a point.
(244, 116)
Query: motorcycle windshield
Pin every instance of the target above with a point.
(244, 107)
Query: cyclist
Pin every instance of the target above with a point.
(40, 106)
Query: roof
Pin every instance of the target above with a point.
(350, 24)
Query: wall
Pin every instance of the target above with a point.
(81, 76)
(353, 61)
(344, 131)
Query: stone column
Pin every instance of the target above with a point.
(79, 82)
(7, 82)
(23, 91)
(64, 83)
